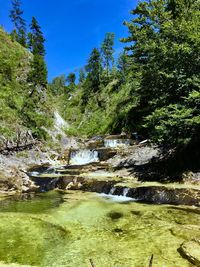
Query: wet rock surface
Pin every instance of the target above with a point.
(113, 165)
(191, 251)
(134, 156)
(80, 177)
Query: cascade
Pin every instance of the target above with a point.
(83, 156)
(59, 121)
(116, 142)
(112, 190)
(125, 191)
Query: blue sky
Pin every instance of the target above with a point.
(72, 28)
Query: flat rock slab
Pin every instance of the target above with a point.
(191, 251)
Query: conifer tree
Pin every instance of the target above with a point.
(71, 78)
(92, 81)
(19, 33)
(81, 75)
(107, 50)
(36, 39)
(123, 65)
(164, 46)
(94, 70)
(38, 75)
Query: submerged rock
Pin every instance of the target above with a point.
(191, 251)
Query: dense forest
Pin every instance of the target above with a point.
(152, 88)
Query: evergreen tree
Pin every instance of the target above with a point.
(123, 65)
(36, 39)
(164, 36)
(81, 75)
(71, 78)
(38, 74)
(33, 108)
(92, 81)
(19, 33)
(107, 50)
(94, 70)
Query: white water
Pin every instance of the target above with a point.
(34, 174)
(83, 156)
(125, 191)
(116, 198)
(112, 191)
(60, 123)
(116, 142)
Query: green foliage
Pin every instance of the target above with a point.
(19, 33)
(165, 43)
(58, 87)
(36, 39)
(123, 66)
(71, 79)
(17, 108)
(14, 65)
(94, 70)
(38, 73)
(81, 76)
(108, 51)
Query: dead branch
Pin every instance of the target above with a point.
(151, 261)
(92, 263)
(21, 142)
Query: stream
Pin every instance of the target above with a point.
(56, 229)
(103, 224)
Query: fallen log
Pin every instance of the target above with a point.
(17, 148)
(22, 141)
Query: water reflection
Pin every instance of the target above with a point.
(31, 202)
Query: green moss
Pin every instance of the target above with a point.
(48, 232)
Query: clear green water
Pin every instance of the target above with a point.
(69, 229)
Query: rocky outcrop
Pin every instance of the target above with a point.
(82, 177)
(16, 180)
(191, 251)
(134, 156)
(162, 195)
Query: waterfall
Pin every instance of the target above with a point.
(118, 198)
(116, 142)
(112, 190)
(59, 121)
(125, 191)
(83, 156)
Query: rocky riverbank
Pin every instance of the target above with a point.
(14, 166)
(95, 163)
(105, 166)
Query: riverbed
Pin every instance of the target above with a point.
(71, 229)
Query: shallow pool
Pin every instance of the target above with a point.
(55, 229)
